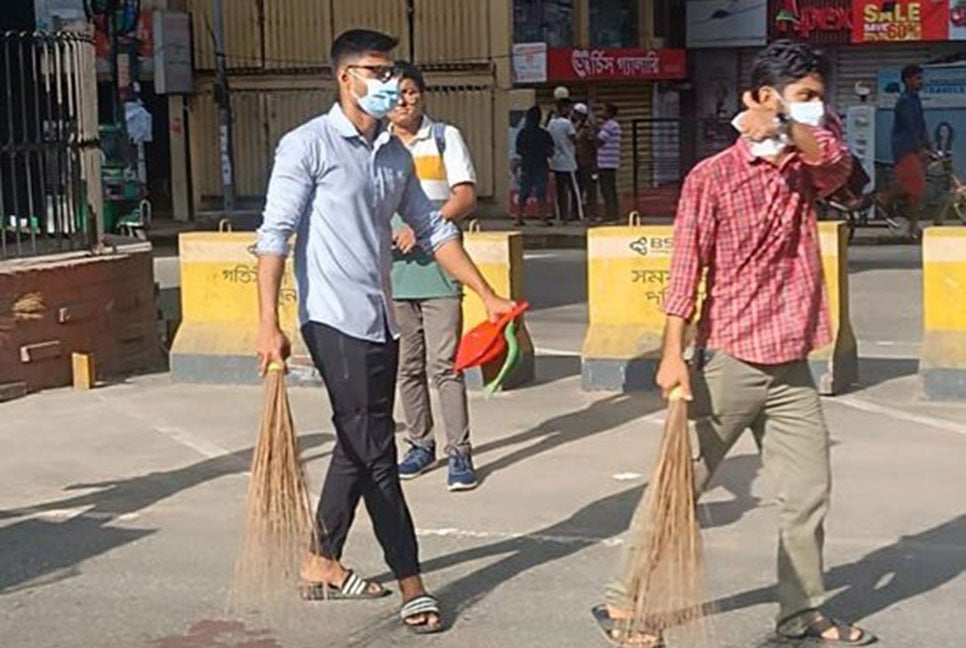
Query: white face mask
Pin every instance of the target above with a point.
(809, 113)
(766, 148)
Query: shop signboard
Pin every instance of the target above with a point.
(616, 64)
(900, 20)
(822, 22)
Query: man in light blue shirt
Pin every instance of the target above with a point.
(336, 183)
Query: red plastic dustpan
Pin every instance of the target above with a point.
(485, 342)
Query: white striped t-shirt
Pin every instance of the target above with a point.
(609, 153)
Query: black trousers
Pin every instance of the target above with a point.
(360, 377)
(568, 202)
(608, 187)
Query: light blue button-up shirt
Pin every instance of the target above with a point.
(338, 193)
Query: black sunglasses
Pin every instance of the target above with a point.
(380, 72)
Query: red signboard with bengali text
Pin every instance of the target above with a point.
(900, 20)
(822, 22)
(616, 64)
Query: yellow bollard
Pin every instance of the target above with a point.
(628, 271)
(499, 256)
(219, 302)
(942, 357)
(836, 366)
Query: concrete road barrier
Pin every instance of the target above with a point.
(219, 301)
(628, 276)
(836, 366)
(942, 358)
(499, 256)
(628, 272)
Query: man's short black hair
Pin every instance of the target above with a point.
(357, 42)
(564, 104)
(910, 71)
(784, 62)
(532, 117)
(610, 109)
(409, 71)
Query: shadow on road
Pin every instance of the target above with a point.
(42, 551)
(598, 417)
(589, 526)
(875, 371)
(889, 575)
(551, 368)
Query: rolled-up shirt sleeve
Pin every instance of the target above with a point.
(419, 212)
(833, 168)
(289, 191)
(694, 232)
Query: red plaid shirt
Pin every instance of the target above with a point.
(752, 225)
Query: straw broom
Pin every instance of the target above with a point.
(279, 528)
(664, 578)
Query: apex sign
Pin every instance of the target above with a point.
(818, 21)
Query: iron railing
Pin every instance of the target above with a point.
(664, 150)
(50, 180)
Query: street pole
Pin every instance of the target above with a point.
(222, 97)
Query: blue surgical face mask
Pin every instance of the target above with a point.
(809, 113)
(380, 98)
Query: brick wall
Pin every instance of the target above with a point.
(52, 307)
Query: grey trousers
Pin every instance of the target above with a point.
(430, 334)
(780, 404)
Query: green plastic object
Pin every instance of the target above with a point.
(509, 365)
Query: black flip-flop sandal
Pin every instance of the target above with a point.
(821, 624)
(424, 605)
(353, 588)
(617, 632)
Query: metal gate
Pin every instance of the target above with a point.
(50, 183)
(664, 151)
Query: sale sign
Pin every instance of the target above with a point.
(900, 20)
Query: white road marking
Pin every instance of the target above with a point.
(535, 537)
(627, 476)
(67, 514)
(202, 446)
(556, 352)
(540, 255)
(892, 412)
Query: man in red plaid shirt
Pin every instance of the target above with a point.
(746, 221)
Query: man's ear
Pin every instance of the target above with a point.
(769, 98)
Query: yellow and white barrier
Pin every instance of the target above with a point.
(836, 366)
(499, 257)
(219, 302)
(628, 275)
(628, 272)
(942, 358)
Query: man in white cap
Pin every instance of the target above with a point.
(586, 145)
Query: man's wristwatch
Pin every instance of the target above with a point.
(783, 122)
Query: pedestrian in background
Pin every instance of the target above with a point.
(586, 146)
(910, 148)
(427, 301)
(535, 148)
(564, 163)
(609, 161)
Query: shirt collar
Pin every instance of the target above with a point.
(424, 130)
(744, 150)
(348, 130)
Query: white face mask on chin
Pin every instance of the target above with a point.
(766, 148)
